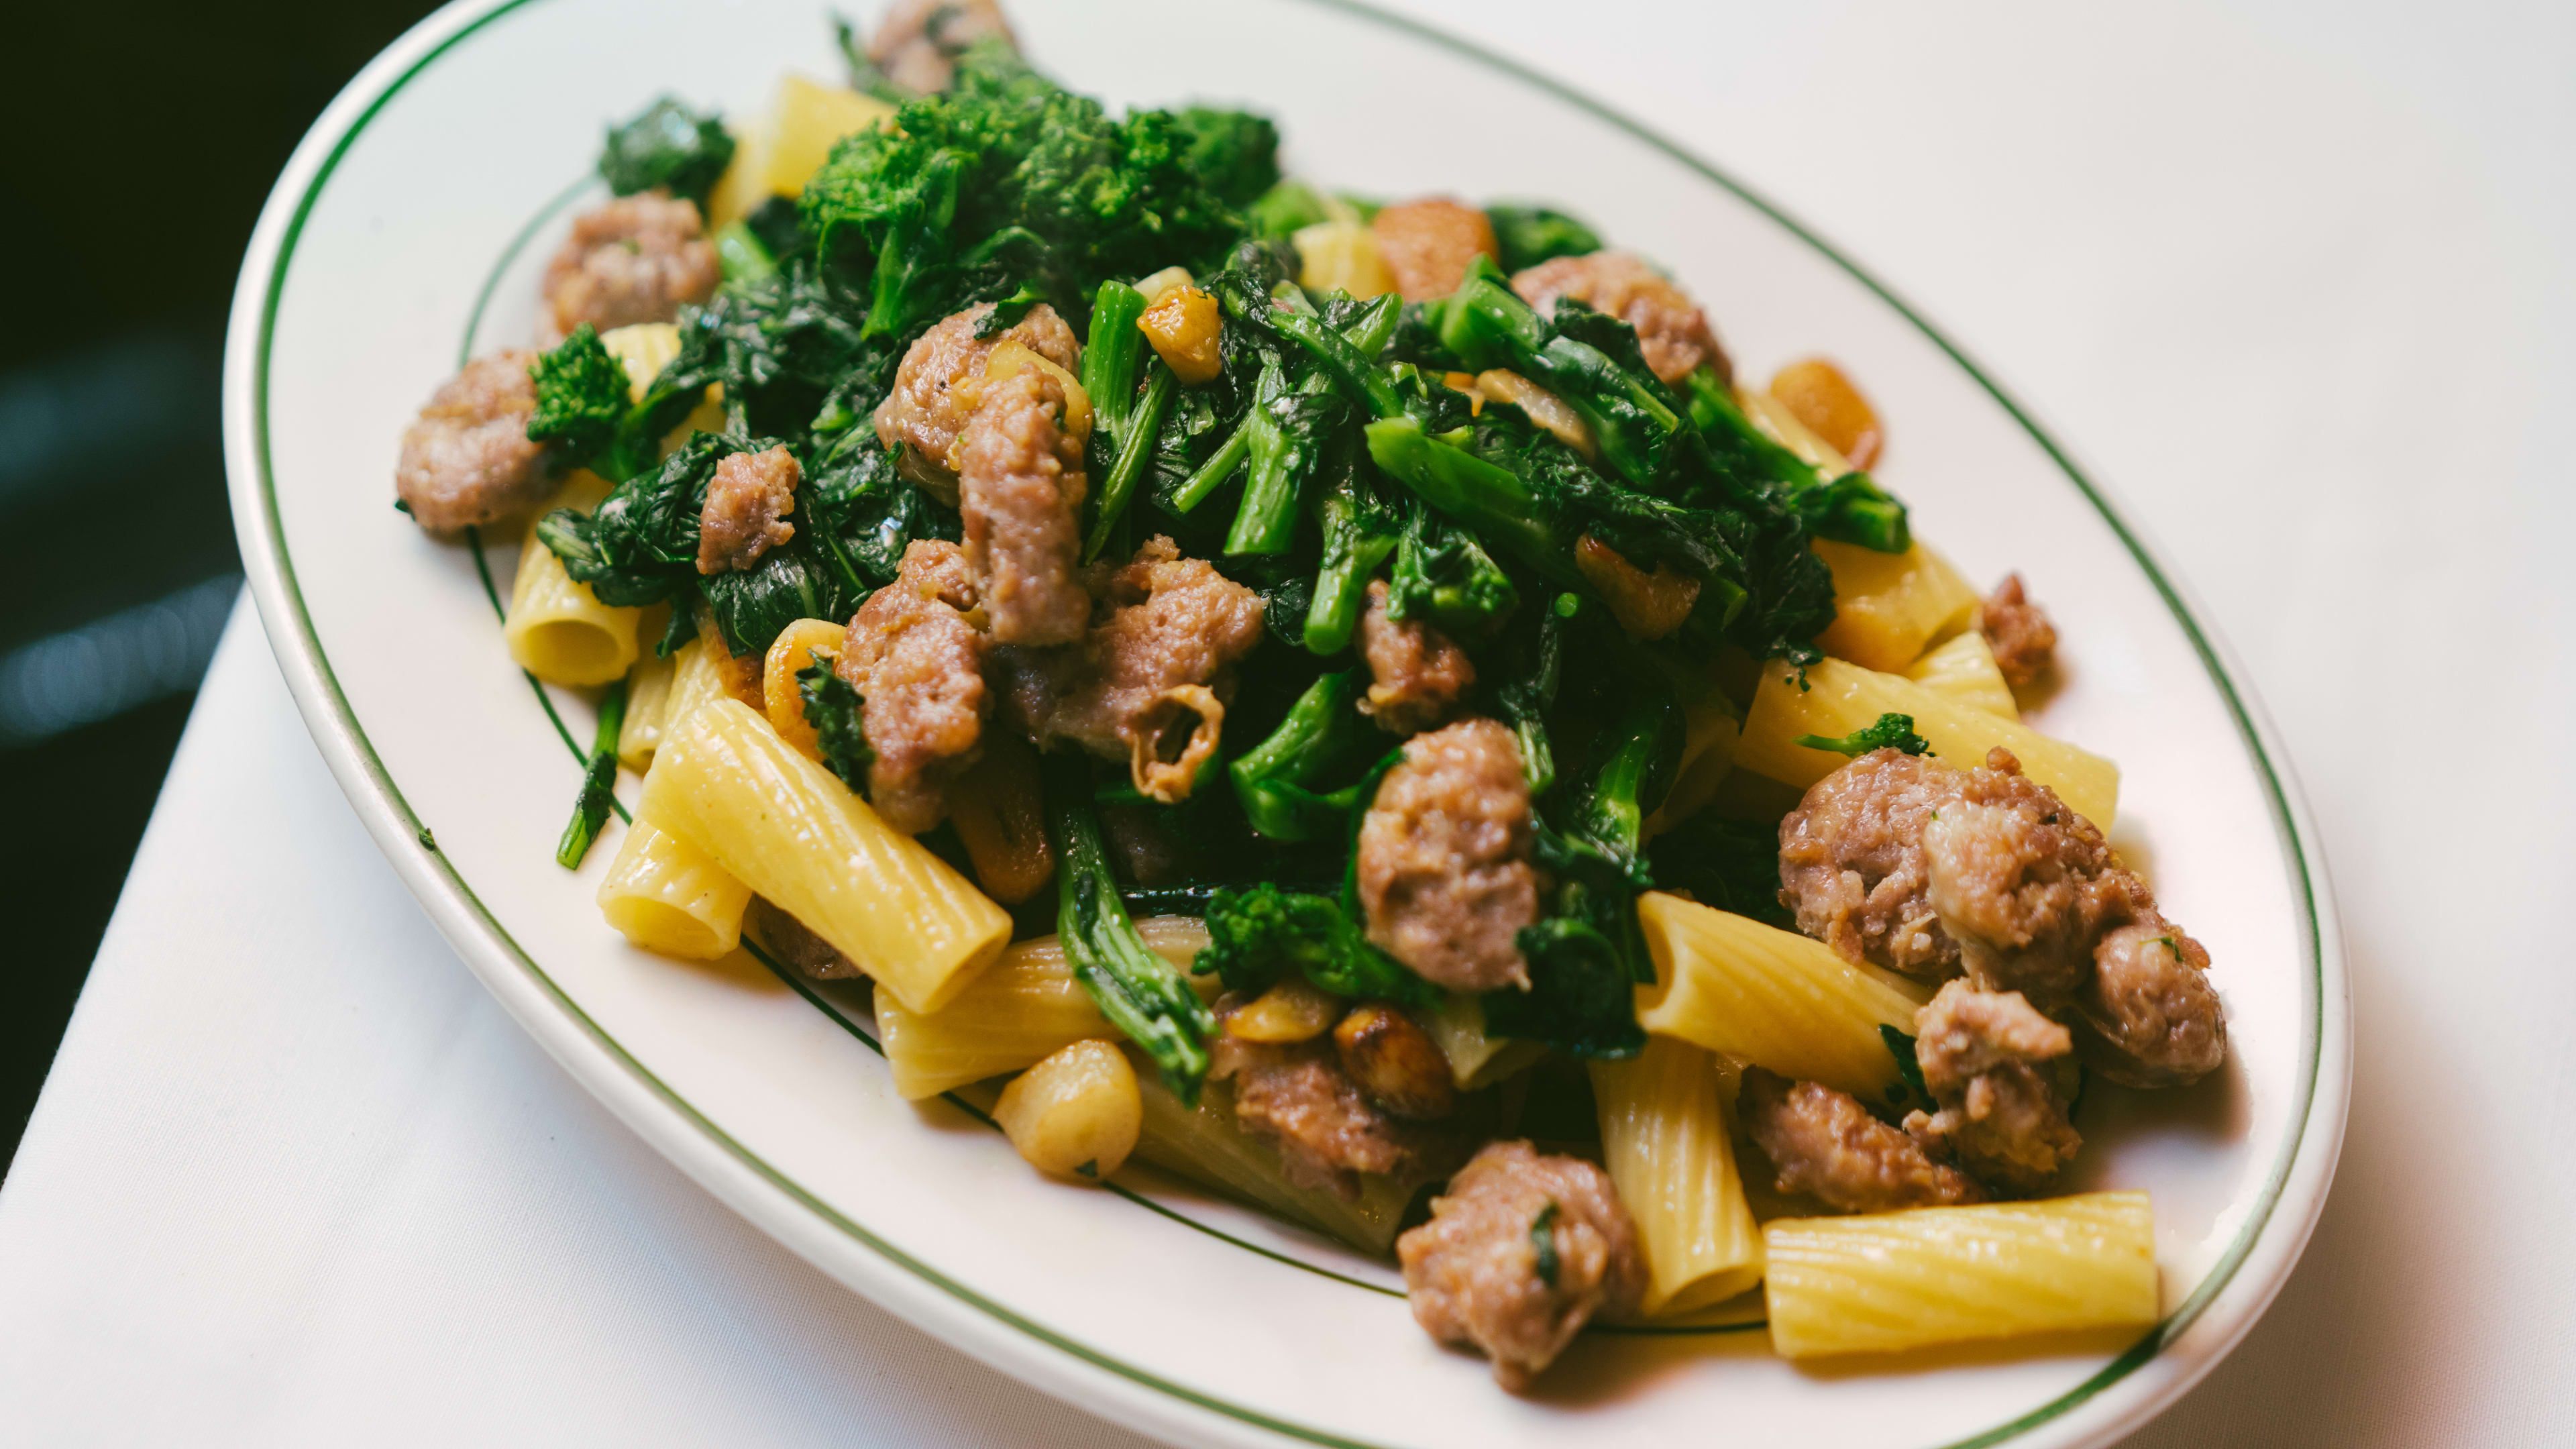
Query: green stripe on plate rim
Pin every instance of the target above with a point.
(2293, 848)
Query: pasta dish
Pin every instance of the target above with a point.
(1356, 702)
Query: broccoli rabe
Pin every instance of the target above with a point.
(598, 781)
(1887, 732)
(1322, 736)
(1137, 990)
(669, 146)
(1258, 935)
(838, 714)
(1733, 865)
(581, 396)
(1443, 576)
(1529, 235)
(1008, 183)
(1287, 207)
(860, 516)
(640, 546)
(1848, 509)
(1234, 153)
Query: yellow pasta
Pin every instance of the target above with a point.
(745, 183)
(666, 895)
(1962, 669)
(787, 828)
(1206, 1147)
(557, 629)
(1667, 1136)
(809, 120)
(1342, 254)
(643, 349)
(648, 698)
(1887, 606)
(1457, 1027)
(1841, 697)
(1772, 997)
(782, 696)
(1020, 1010)
(1889, 1281)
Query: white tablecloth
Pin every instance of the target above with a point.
(2297, 281)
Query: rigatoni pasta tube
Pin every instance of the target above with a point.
(1889, 1281)
(556, 628)
(1457, 1027)
(785, 827)
(1016, 1012)
(665, 894)
(1963, 668)
(1887, 606)
(1839, 698)
(1734, 985)
(1667, 1137)
(648, 700)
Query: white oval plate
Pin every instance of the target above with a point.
(407, 232)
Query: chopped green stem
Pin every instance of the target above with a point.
(1349, 367)
(1274, 779)
(741, 256)
(1135, 450)
(1211, 475)
(1109, 359)
(1486, 497)
(598, 781)
(1265, 521)
(1137, 990)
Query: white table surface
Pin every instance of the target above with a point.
(2298, 281)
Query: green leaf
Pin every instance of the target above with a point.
(838, 714)
(668, 145)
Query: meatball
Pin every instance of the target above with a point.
(1295, 1096)
(637, 259)
(2003, 1075)
(1824, 1143)
(788, 939)
(1671, 329)
(2159, 1023)
(2023, 884)
(745, 516)
(2018, 631)
(466, 460)
(1020, 486)
(1852, 864)
(926, 413)
(1444, 870)
(1419, 673)
(916, 46)
(1520, 1253)
(1429, 244)
(1174, 629)
(919, 666)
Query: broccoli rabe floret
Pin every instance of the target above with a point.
(669, 146)
(1887, 732)
(1258, 935)
(1444, 576)
(581, 395)
(1234, 153)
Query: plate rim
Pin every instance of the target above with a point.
(2249, 1272)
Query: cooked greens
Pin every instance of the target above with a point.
(669, 146)
(1887, 732)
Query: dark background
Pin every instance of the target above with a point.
(127, 202)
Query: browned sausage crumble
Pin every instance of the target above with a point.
(2003, 1075)
(925, 415)
(916, 46)
(1520, 1253)
(745, 516)
(1020, 486)
(467, 461)
(1443, 864)
(1295, 1096)
(1824, 1143)
(918, 667)
(1428, 245)
(637, 259)
(2018, 631)
(1418, 673)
